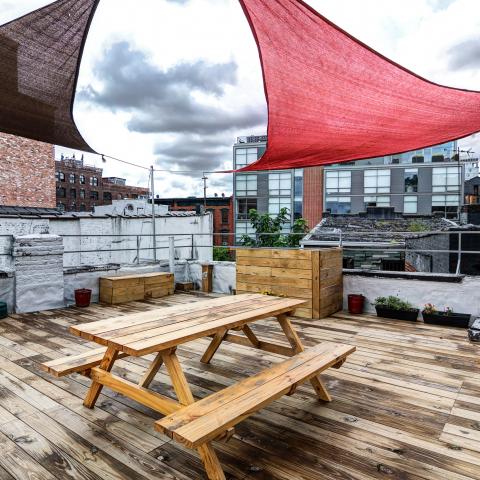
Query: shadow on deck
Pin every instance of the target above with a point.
(406, 406)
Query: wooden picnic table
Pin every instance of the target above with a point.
(160, 331)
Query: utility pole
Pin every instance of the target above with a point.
(204, 178)
(152, 188)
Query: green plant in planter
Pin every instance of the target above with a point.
(393, 303)
(429, 308)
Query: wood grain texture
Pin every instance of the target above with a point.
(203, 421)
(177, 325)
(403, 405)
(127, 288)
(313, 275)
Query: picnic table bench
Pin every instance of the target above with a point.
(197, 423)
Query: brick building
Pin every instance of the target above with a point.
(26, 172)
(81, 187)
(221, 208)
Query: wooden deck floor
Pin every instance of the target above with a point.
(406, 406)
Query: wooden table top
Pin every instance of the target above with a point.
(155, 330)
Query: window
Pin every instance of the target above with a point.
(244, 228)
(107, 196)
(61, 206)
(73, 193)
(82, 193)
(82, 179)
(244, 205)
(72, 178)
(339, 182)
(94, 181)
(383, 201)
(245, 156)
(297, 208)
(411, 180)
(280, 183)
(83, 208)
(338, 205)
(224, 237)
(446, 179)
(438, 154)
(60, 177)
(246, 185)
(298, 183)
(225, 212)
(275, 204)
(94, 195)
(418, 157)
(446, 204)
(376, 181)
(61, 192)
(410, 204)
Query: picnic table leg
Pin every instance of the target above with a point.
(182, 389)
(214, 345)
(152, 370)
(95, 388)
(298, 347)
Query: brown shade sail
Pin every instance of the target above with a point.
(40, 56)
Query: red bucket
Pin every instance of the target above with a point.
(355, 303)
(82, 297)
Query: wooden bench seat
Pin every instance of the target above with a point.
(207, 419)
(76, 363)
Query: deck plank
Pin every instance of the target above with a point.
(406, 405)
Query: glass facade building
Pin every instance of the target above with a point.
(264, 191)
(420, 182)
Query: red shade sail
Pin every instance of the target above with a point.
(40, 56)
(333, 99)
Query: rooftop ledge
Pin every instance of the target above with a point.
(425, 276)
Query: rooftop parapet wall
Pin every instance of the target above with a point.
(460, 294)
(38, 261)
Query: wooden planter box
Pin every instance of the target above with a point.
(313, 275)
(129, 288)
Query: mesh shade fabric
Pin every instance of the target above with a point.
(333, 99)
(40, 56)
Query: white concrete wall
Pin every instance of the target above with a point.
(7, 291)
(38, 272)
(15, 227)
(224, 275)
(463, 297)
(92, 233)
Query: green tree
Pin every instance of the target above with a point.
(268, 230)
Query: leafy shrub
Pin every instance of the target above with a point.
(393, 303)
(417, 227)
(429, 308)
(268, 230)
(222, 254)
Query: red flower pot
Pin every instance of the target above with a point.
(355, 303)
(82, 297)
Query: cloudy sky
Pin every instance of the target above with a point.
(173, 82)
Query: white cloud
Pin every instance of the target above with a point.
(419, 34)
